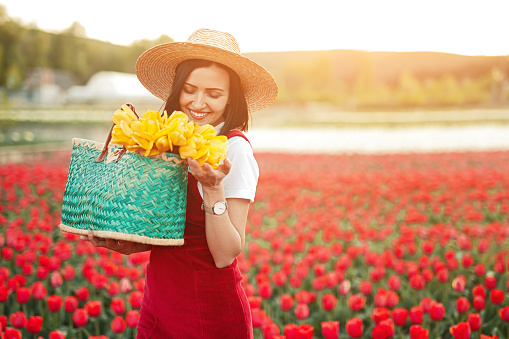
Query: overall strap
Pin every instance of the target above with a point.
(237, 133)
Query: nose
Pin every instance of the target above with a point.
(199, 101)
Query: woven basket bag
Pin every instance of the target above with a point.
(124, 195)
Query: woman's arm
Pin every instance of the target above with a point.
(225, 233)
(120, 246)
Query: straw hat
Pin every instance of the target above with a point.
(155, 68)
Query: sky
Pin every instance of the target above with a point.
(454, 26)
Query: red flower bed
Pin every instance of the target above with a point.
(350, 246)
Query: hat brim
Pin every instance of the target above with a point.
(155, 69)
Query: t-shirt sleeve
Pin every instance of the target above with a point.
(243, 177)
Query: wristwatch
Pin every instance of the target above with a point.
(218, 209)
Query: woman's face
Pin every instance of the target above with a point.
(205, 94)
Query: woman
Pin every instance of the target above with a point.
(194, 291)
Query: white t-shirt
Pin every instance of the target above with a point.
(243, 177)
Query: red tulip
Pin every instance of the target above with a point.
(417, 282)
(18, 319)
(379, 314)
(301, 311)
(305, 331)
(291, 331)
(497, 296)
(460, 331)
(425, 304)
(117, 305)
(437, 311)
(394, 282)
(68, 272)
(462, 304)
(399, 315)
(417, 332)
(279, 278)
(479, 290)
(479, 270)
(504, 313)
(467, 260)
(118, 324)
(94, 308)
(303, 297)
(54, 303)
(71, 303)
(354, 327)
(22, 295)
(475, 321)
(34, 324)
(344, 287)
(387, 326)
(329, 302)
(392, 299)
(82, 293)
(443, 275)
(135, 299)
(484, 336)
(270, 330)
(12, 333)
(39, 291)
(427, 247)
(366, 287)
(265, 289)
(479, 303)
(80, 317)
(490, 282)
(459, 283)
(254, 301)
(330, 329)
(356, 302)
(257, 316)
(56, 335)
(4, 293)
(56, 279)
(132, 318)
(286, 302)
(416, 314)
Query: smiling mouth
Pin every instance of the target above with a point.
(197, 115)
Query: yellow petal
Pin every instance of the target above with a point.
(177, 139)
(152, 127)
(178, 115)
(119, 116)
(163, 145)
(146, 144)
(125, 128)
(136, 126)
(129, 112)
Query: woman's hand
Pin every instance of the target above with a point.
(120, 246)
(208, 177)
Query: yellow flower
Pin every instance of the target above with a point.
(154, 133)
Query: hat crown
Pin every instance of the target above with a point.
(216, 39)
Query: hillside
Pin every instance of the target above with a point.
(386, 66)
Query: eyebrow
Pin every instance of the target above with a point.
(208, 89)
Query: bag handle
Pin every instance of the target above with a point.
(104, 152)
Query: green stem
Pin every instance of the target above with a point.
(55, 320)
(80, 333)
(97, 331)
(437, 330)
(41, 309)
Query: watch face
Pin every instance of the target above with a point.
(219, 208)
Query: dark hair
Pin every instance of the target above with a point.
(236, 113)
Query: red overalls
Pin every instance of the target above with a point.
(185, 295)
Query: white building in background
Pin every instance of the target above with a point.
(110, 86)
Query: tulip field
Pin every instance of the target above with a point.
(337, 246)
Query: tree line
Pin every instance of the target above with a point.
(24, 48)
(320, 77)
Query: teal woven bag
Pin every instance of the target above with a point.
(127, 196)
